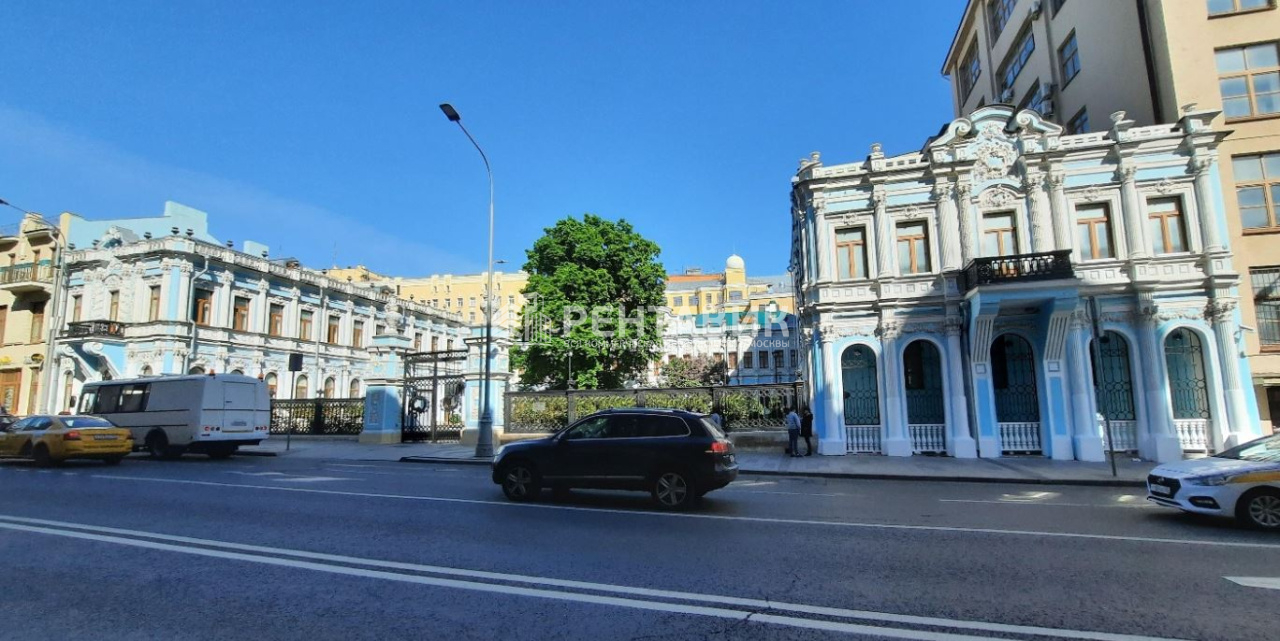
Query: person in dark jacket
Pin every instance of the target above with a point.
(806, 431)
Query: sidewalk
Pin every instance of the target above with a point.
(1032, 470)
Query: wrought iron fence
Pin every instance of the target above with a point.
(989, 270)
(743, 407)
(330, 416)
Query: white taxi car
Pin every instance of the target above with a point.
(1243, 481)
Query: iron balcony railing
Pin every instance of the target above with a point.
(992, 270)
(26, 273)
(87, 329)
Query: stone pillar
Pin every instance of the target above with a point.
(832, 439)
(382, 400)
(1135, 223)
(1235, 431)
(1202, 164)
(884, 235)
(968, 218)
(896, 441)
(472, 403)
(1161, 440)
(960, 443)
(1060, 211)
(1087, 440)
(1041, 229)
(948, 226)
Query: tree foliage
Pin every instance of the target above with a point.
(583, 275)
(700, 371)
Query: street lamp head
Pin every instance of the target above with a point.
(450, 112)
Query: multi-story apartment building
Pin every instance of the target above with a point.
(147, 297)
(29, 253)
(1077, 62)
(949, 296)
(695, 292)
(459, 294)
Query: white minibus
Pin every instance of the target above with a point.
(210, 414)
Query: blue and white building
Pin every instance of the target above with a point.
(149, 296)
(945, 295)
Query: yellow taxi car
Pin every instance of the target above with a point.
(52, 439)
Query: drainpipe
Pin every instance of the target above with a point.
(195, 326)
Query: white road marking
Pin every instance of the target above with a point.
(1002, 502)
(257, 473)
(748, 491)
(715, 517)
(1266, 583)
(108, 535)
(311, 479)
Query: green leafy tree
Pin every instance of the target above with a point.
(593, 290)
(695, 372)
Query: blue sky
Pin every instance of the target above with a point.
(313, 126)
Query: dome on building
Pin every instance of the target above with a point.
(735, 262)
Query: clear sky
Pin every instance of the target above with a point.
(313, 126)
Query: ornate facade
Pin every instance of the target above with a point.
(945, 295)
(130, 309)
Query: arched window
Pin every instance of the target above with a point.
(354, 392)
(300, 387)
(196, 370)
(922, 379)
(271, 381)
(1188, 388)
(330, 386)
(238, 371)
(1017, 395)
(146, 370)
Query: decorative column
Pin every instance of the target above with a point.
(968, 218)
(1041, 229)
(832, 438)
(960, 443)
(896, 441)
(1060, 212)
(948, 227)
(383, 387)
(1162, 444)
(1202, 164)
(1221, 312)
(1087, 439)
(1135, 224)
(884, 235)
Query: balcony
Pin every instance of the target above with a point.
(94, 329)
(28, 277)
(1019, 268)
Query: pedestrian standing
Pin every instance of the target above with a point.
(793, 432)
(806, 431)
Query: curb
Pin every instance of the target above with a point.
(948, 479)
(852, 475)
(439, 460)
(252, 453)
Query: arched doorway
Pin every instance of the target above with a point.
(196, 370)
(1113, 390)
(1188, 389)
(1013, 380)
(926, 407)
(860, 385)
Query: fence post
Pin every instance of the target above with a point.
(571, 406)
(639, 398)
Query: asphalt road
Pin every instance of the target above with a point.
(281, 548)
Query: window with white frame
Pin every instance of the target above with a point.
(999, 234)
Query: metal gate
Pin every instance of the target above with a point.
(1189, 390)
(433, 390)
(1113, 389)
(1013, 373)
(861, 390)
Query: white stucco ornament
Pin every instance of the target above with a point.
(994, 153)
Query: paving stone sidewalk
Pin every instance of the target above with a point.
(1035, 470)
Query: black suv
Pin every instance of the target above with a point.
(676, 456)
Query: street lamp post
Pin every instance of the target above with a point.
(484, 440)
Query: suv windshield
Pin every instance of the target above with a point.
(1263, 450)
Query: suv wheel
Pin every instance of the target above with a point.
(520, 482)
(41, 456)
(673, 490)
(1261, 509)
